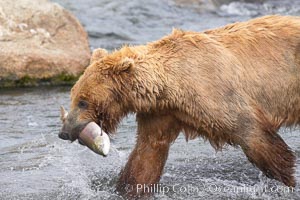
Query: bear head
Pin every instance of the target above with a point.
(98, 95)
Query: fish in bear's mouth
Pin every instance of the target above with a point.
(91, 136)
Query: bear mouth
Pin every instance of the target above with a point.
(108, 125)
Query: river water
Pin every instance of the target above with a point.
(35, 164)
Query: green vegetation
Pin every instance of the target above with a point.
(27, 81)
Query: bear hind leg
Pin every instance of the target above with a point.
(267, 151)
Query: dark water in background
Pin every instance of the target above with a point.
(35, 164)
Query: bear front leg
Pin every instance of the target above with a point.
(267, 150)
(147, 160)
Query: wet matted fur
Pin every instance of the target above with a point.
(236, 84)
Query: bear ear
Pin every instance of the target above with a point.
(126, 65)
(98, 54)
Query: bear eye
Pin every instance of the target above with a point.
(82, 104)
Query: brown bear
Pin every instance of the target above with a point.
(233, 85)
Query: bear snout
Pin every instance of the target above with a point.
(63, 135)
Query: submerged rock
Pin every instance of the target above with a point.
(40, 40)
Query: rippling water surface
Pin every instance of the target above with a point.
(35, 164)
